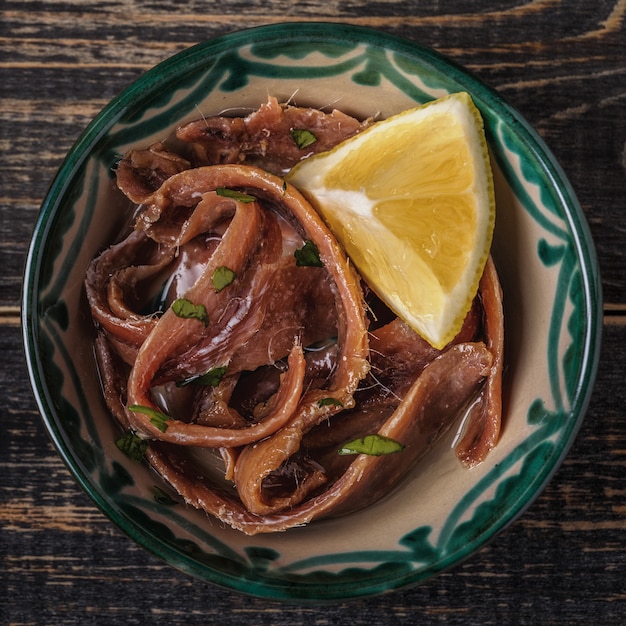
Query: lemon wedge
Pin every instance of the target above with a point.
(411, 199)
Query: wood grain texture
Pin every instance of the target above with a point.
(562, 562)
(562, 64)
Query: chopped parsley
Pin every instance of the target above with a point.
(234, 195)
(212, 378)
(329, 402)
(186, 309)
(372, 445)
(308, 255)
(133, 446)
(222, 277)
(157, 419)
(303, 137)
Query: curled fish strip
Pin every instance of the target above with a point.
(306, 363)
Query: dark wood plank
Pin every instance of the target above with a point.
(563, 65)
(562, 562)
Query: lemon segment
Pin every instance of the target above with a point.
(411, 199)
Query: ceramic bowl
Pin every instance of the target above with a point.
(442, 513)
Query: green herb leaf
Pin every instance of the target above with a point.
(188, 310)
(308, 255)
(162, 497)
(329, 402)
(133, 446)
(212, 378)
(234, 195)
(303, 137)
(222, 277)
(373, 445)
(157, 418)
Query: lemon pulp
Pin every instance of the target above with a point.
(411, 200)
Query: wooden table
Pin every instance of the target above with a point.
(563, 65)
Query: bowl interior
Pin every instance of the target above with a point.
(441, 512)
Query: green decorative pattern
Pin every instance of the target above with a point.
(311, 52)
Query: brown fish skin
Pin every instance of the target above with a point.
(174, 337)
(279, 416)
(483, 424)
(141, 172)
(265, 136)
(445, 387)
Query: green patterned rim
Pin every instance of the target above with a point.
(554, 334)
